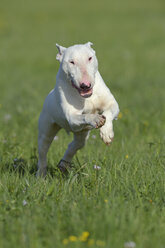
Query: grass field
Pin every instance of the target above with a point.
(123, 202)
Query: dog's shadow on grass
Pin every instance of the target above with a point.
(23, 167)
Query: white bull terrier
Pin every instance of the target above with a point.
(79, 102)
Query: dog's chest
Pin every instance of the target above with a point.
(94, 105)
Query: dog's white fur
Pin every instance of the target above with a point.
(75, 109)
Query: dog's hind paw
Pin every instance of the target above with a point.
(64, 167)
(41, 173)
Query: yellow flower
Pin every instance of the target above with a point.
(126, 156)
(65, 241)
(100, 243)
(120, 115)
(84, 236)
(91, 242)
(105, 200)
(73, 238)
(145, 123)
(126, 111)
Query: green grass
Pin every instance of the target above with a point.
(125, 200)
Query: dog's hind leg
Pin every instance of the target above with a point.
(45, 138)
(78, 142)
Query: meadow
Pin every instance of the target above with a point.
(122, 205)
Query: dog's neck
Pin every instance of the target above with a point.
(62, 76)
(68, 90)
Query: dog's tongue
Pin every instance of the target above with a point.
(86, 93)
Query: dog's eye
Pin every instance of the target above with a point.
(72, 62)
(90, 58)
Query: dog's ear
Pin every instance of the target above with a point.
(60, 53)
(89, 44)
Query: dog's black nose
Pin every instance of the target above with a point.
(85, 86)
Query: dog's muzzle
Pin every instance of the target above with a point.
(85, 90)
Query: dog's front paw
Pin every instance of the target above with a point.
(106, 134)
(98, 121)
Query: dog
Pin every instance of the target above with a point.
(80, 102)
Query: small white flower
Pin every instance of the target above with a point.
(93, 136)
(15, 162)
(24, 190)
(24, 203)
(19, 109)
(96, 167)
(7, 117)
(56, 137)
(130, 244)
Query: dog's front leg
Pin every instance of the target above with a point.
(106, 131)
(86, 122)
(111, 113)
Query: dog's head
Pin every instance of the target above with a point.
(79, 63)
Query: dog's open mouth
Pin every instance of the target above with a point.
(83, 92)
